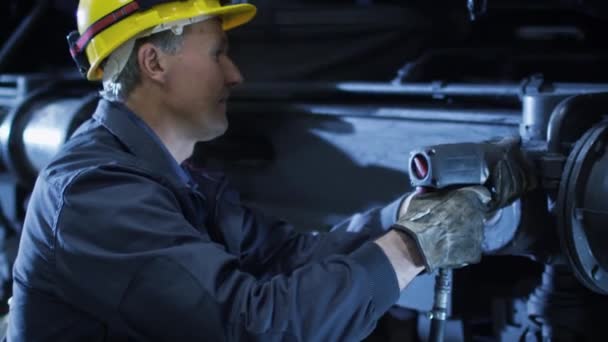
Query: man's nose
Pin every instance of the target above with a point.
(233, 74)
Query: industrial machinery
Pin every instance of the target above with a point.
(577, 211)
(337, 127)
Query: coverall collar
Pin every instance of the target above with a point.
(140, 139)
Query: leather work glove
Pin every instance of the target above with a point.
(447, 226)
(510, 173)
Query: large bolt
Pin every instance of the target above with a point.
(597, 273)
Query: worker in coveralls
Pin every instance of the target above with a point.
(124, 240)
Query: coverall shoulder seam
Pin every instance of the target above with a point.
(59, 210)
(79, 173)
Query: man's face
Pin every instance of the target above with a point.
(199, 80)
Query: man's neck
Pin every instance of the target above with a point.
(160, 120)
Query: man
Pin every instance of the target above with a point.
(125, 240)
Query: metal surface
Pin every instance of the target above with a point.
(37, 127)
(12, 89)
(583, 209)
(357, 161)
(309, 90)
(477, 8)
(501, 228)
(572, 118)
(439, 314)
(557, 308)
(11, 130)
(3, 115)
(405, 111)
(482, 7)
(536, 112)
(450, 165)
(47, 130)
(9, 90)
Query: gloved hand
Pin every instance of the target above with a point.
(447, 226)
(510, 174)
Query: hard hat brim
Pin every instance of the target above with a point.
(234, 15)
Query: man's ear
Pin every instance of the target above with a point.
(152, 62)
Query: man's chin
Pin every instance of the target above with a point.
(212, 132)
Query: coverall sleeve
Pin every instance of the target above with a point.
(125, 254)
(272, 246)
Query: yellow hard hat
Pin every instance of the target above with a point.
(104, 25)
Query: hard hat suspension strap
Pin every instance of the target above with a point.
(78, 43)
(83, 40)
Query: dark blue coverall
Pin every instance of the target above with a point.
(119, 243)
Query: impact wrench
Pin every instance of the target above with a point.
(450, 166)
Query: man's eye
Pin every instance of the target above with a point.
(220, 52)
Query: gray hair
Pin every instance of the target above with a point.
(130, 76)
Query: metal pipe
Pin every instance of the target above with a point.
(536, 110)
(11, 45)
(437, 333)
(528, 5)
(439, 314)
(572, 117)
(554, 127)
(288, 90)
(490, 116)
